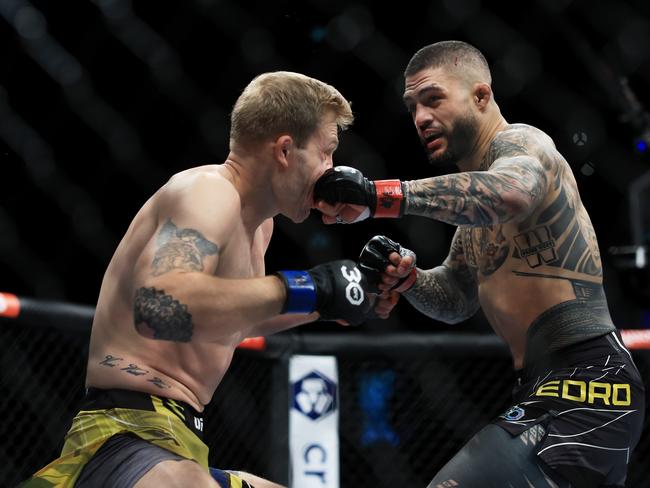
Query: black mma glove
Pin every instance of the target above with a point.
(336, 290)
(343, 184)
(373, 261)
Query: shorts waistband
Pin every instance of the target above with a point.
(564, 325)
(102, 399)
(587, 350)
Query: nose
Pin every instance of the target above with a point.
(423, 117)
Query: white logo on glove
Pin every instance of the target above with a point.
(353, 292)
(362, 216)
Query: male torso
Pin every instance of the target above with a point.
(523, 268)
(120, 357)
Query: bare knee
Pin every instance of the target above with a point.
(172, 474)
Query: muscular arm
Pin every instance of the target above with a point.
(176, 295)
(449, 292)
(280, 323)
(191, 306)
(511, 189)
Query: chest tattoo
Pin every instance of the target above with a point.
(486, 248)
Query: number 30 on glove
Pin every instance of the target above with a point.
(338, 290)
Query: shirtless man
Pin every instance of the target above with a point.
(526, 253)
(187, 284)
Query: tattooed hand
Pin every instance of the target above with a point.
(381, 253)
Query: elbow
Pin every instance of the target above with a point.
(459, 317)
(464, 310)
(455, 320)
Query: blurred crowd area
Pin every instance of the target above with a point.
(101, 101)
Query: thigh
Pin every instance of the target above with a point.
(177, 474)
(121, 462)
(125, 459)
(493, 458)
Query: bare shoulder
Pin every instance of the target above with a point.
(204, 186)
(210, 178)
(202, 199)
(522, 140)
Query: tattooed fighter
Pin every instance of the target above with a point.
(525, 251)
(187, 284)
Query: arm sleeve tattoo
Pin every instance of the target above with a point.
(511, 189)
(449, 292)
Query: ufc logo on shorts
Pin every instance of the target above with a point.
(353, 292)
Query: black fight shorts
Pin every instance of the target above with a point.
(588, 402)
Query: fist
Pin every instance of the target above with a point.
(341, 291)
(344, 195)
(344, 184)
(387, 265)
(385, 303)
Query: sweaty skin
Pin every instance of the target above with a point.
(126, 356)
(524, 240)
(186, 285)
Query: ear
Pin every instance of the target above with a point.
(482, 95)
(282, 146)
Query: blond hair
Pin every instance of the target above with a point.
(283, 102)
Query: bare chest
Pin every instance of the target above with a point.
(243, 257)
(486, 249)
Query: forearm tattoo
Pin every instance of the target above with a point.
(180, 249)
(159, 316)
(437, 294)
(514, 184)
(521, 166)
(448, 293)
(110, 361)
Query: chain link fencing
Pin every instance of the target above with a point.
(402, 416)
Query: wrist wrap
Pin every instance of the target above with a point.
(390, 199)
(301, 292)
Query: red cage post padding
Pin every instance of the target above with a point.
(9, 305)
(636, 338)
(79, 317)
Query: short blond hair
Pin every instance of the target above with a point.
(283, 102)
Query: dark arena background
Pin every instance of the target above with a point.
(101, 101)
